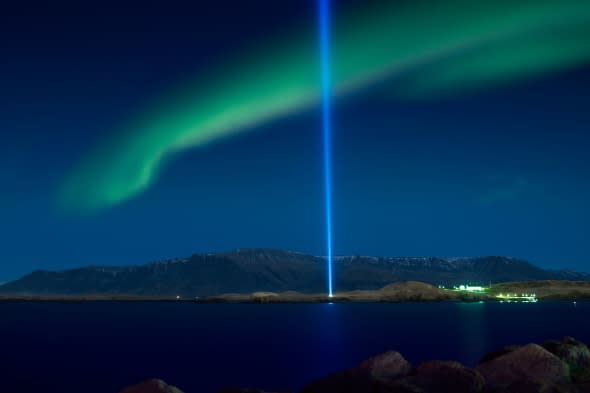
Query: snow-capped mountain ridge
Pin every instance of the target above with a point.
(250, 270)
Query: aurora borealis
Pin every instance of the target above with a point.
(412, 50)
(134, 131)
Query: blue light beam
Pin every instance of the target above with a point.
(324, 30)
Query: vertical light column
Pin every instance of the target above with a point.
(324, 32)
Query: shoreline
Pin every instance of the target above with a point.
(404, 292)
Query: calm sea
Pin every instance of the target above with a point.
(102, 347)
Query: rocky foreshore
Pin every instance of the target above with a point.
(556, 366)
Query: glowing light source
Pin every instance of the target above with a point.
(470, 288)
(324, 31)
(514, 297)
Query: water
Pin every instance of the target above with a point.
(102, 347)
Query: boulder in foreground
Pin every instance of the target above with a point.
(529, 362)
(440, 376)
(366, 377)
(241, 390)
(152, 386)
(531, 368)
(572, 352)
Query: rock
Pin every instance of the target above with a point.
(497, 353)
(571, 351)
(365, 377)
(583, 376)
(441, 377)
(385, 367)
(583, 387)
(530, 362)
(152, 386)
(240, 390)
(341, 382)
(534, 386)
(397, 387)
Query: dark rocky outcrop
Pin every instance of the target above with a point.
(527, 368)
(385, 367)
(572, 352)
(445, 376)
(152, 386)
(529, 362)
(367, 377)
(241, 390)
(536, 386)
(497, 353)
(583, 387)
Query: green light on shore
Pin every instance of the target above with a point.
(515, 297)
(470, 288)
(502, 297)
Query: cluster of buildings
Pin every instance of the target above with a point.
(502, 297)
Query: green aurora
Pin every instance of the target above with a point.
(413, 50)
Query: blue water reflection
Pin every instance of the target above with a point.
(100, 347)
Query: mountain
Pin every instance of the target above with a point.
(250, 270)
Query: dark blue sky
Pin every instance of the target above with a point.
(503, 171)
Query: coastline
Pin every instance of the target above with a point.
(411, 291)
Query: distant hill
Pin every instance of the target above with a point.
(251, 270)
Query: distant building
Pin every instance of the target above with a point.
(470, 288)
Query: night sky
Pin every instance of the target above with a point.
(501, 169)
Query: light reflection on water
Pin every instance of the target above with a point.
(277, 347)
(474, 329)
